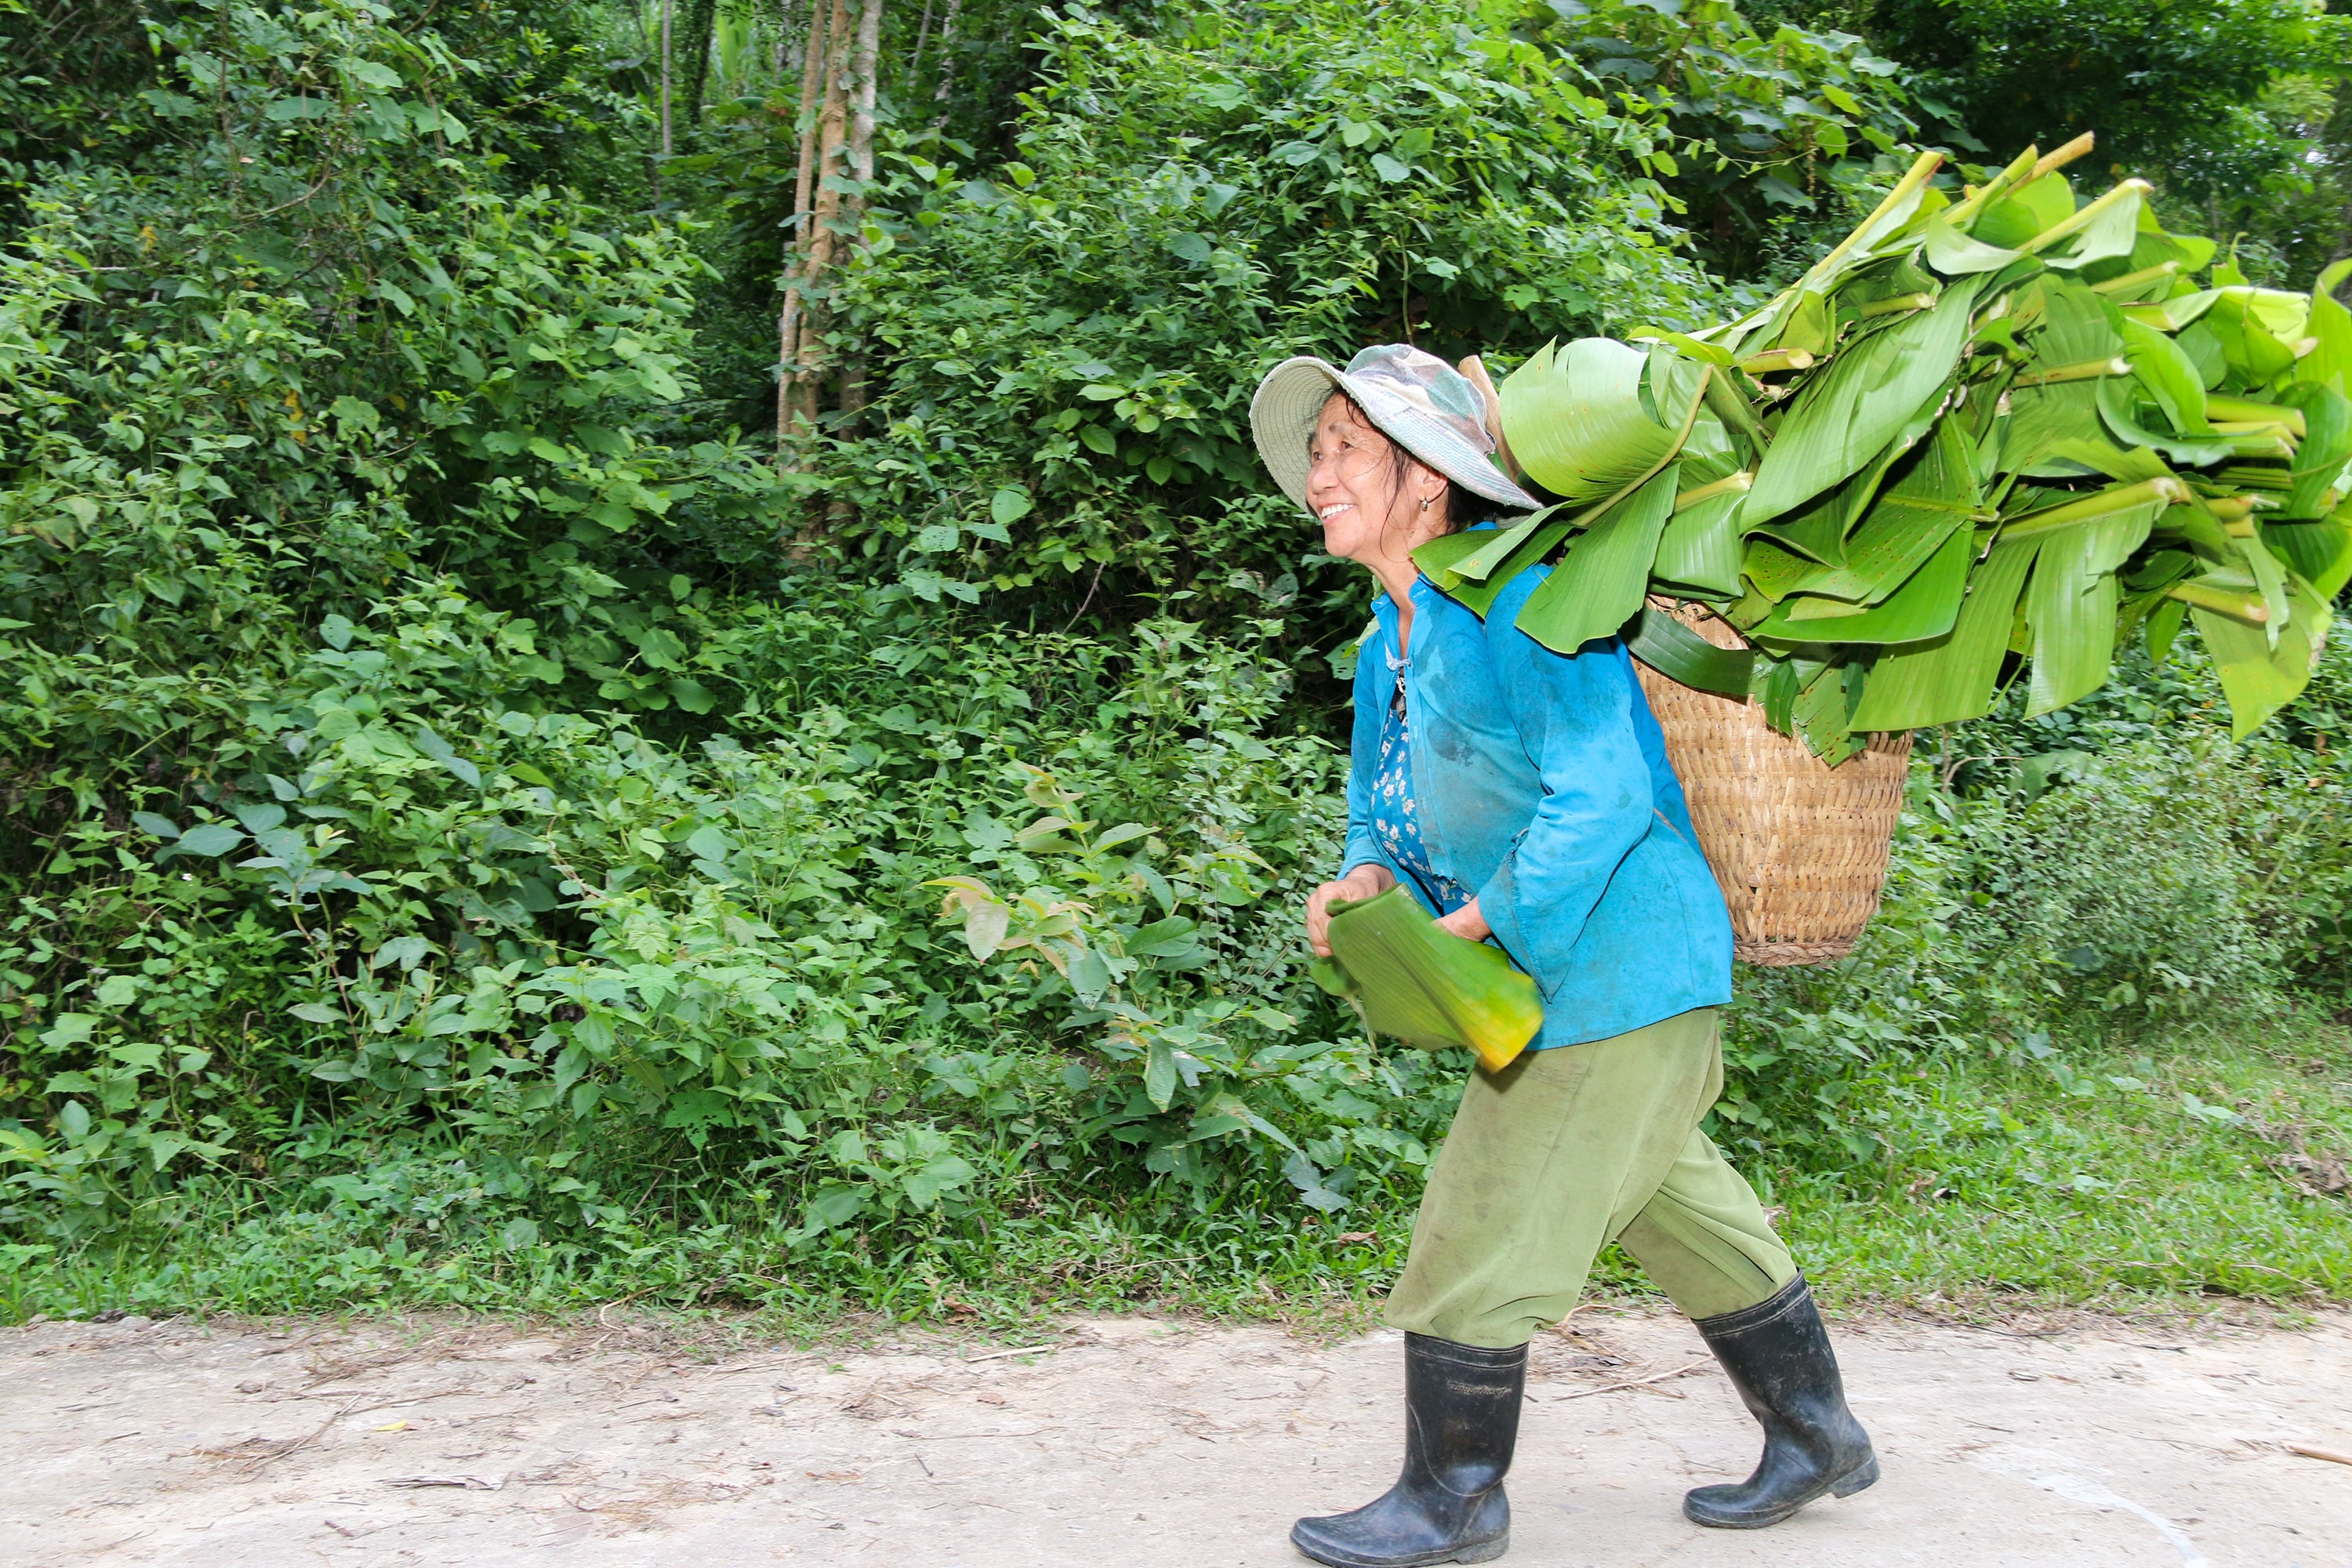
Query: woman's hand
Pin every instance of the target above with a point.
(1363, 882)
(1466, 921)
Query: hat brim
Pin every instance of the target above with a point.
(1290, 400)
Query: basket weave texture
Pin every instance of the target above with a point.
(1800, 849)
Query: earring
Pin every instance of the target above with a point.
(1425, 506)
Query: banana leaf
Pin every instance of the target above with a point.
(2117, 414)
(1955, 254)
(1935, 495)
(1924, 605)
(2260, 677)
(1578, 421)
(2106, 229)
(1600, 583)
(2255, 354)
(1774, 573)
(2318, 552)
(1945, 679)
(2330, 363)
(1425, 986)
(2025, 212)
(1823, 713)
(2135, 412)
(2322, 457)
(1479, 594)
(1678, 652)
(1848, 413)
(1699, 550)
(2071, 603)
(1474, 554)
(2169, 376)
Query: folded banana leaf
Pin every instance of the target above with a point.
(1425, 986)
(1981, 441)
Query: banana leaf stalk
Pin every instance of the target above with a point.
(1977, 443)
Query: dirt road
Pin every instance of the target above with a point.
(1129, 1442)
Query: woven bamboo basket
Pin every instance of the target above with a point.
(1800, 849)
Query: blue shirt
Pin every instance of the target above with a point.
(1539, 780)
(1396, 822)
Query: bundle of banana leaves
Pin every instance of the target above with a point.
(1410, 978)
(2009, 424)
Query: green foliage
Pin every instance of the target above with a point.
(2169, 85)
(1777, 127)
(483, 833)
(1893, 547)
(2120, 872)
(1072, 340)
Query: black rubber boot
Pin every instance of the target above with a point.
(1779, 1357)
(1461, 1418)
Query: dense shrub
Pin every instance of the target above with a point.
(467, 804)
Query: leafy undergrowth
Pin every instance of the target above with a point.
(2185, 1178)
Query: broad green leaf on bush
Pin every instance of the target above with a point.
(948, 1174)
(835, 1203)
(430, 742)
(1847, 414)
(210, 838)
(1009, 505)
(1600, 583)
(1946, 679)
(70, 1029)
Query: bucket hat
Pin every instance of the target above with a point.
(1415, 399)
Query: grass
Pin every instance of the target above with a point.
(2105, 1177)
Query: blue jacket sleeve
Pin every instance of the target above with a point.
(1575, 716)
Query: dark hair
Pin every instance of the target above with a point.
(1464, 506)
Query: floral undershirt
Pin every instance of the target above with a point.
(1395, 824)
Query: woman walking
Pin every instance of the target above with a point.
(1524, 797)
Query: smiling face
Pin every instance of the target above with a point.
(1374, 509)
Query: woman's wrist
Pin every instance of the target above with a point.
(1468, 921)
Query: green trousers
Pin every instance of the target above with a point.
(1565, 1151)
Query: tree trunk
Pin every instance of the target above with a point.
(922, 36)
(946, 63)
(864, 67)
(700, 22)
(831, 138)
(787, 325)
(666, 7)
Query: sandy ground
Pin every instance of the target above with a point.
(1129, 1441)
